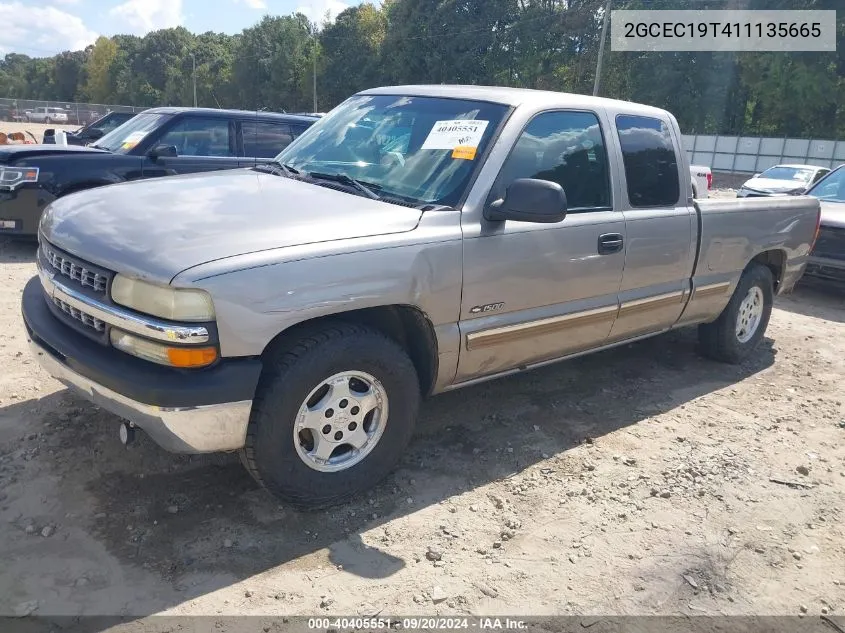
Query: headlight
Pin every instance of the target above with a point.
(13, 177)
(176, 304)
(162, 354)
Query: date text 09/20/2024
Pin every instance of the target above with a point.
(415, 623)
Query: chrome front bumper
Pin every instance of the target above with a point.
(203, 429)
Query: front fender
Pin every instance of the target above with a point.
(255, 304)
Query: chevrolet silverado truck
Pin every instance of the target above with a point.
(416, 239)
(157, 142)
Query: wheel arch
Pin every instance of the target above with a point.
(407, 325)
(775, 260)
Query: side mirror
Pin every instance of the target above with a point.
(163, 151)
(95, 133)
(529, 200)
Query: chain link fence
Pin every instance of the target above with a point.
(60, 112)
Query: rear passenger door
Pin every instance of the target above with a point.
(202, 144)
(659, 226)
(263, 140)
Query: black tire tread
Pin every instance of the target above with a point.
(282, 359)
(717, 340)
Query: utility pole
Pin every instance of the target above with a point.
(315, 70)
(194, 75)
(601, 48)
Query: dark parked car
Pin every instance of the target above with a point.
(92, 132)
(156, 142)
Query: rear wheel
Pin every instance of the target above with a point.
(739, 329)
(48, 120)
(333, 415)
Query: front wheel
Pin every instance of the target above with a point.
(333, 415)
(739, 329)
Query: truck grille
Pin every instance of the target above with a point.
(79, 315)
(831, 243)
(77, 270)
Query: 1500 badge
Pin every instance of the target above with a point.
(490, 307)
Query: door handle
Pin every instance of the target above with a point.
(610, 243)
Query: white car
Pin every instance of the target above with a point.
(46, 115)
(782, 180)
(702, 181)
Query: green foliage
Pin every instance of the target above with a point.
(545, 44)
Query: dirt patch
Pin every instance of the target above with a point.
(36, 129)
(644, 480)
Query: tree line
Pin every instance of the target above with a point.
(544, 44)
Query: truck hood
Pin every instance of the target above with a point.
(833, 214)
(9, 153)
(772, 185)
(157, 228)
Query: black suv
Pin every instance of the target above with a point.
(92, 131)
(156, 142)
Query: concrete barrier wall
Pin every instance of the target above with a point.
(751, 154)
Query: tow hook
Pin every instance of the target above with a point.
(127, 433)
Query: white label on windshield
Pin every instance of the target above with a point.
(458, 133)
(135, 137)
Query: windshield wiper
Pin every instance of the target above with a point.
(347, 180)
(277, 168)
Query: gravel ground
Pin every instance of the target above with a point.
(642, 480)
(36, 129)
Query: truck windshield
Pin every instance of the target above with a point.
(122, 139)
(419, 148)
(830, 188)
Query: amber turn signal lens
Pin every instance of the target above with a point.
(191, 356)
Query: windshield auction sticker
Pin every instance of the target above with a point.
(463, 133)
(133, 139)
(464, 152)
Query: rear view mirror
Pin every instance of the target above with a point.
(529, 200)
(163, 151)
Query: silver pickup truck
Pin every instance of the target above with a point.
(416, 239)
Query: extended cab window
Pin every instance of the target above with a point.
(566, 148)
(265, 139)
(196, 136)
(651, 167)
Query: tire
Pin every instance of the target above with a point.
(725, 339)
(289, 394)
(48, 120)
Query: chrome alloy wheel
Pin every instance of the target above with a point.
(750, 314)
(341, 421)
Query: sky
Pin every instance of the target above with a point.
(40, 28)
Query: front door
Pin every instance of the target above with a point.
(202, 144)
(534, 292)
